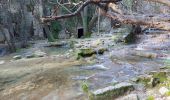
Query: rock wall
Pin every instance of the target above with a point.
(21, 17)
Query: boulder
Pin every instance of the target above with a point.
(89, 52)
(111, 92)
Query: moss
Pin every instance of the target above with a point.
(144, 80)
(130, 38)
(153, 79)
(86, 52)
(55, 27)
(85, 87)
(150, 98)
(113, 93)
(160, 75)
(102, 50)
(167, 93)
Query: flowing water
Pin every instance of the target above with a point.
(58, 78)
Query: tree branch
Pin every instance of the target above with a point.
(96, 2)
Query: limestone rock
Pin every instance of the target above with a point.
(110, 92)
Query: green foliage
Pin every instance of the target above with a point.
(55, 28)
(167, 93)
(85, 87)
(150, 98)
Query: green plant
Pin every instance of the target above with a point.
(85, 88)
(150, 98)
(55, 28)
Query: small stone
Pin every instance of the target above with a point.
(163, 90)
(17, 57)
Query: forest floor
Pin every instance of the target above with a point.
(59, 76)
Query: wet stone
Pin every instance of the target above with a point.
(111, 92)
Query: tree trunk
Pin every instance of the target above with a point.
(84, 16)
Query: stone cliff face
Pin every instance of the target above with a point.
(21, 18)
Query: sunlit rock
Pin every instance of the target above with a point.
(110, 92)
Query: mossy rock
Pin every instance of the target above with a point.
(102, 50)
(112, 92)
(89, 52)
(162, 75)
(130, 38)
(86, 52)
(144, 79)
(153, 79)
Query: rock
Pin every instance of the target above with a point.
(161, 75)
(145, 54)
(96, 43)
(39, 53)
(152, 79)
(30, 55)
(85, 52)
(17, 57)
(111, 92)
(56, 44)
(88, 52)
(144, 79)
(129, 97)
(2, 62)
(163, 90)
(105, 25)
